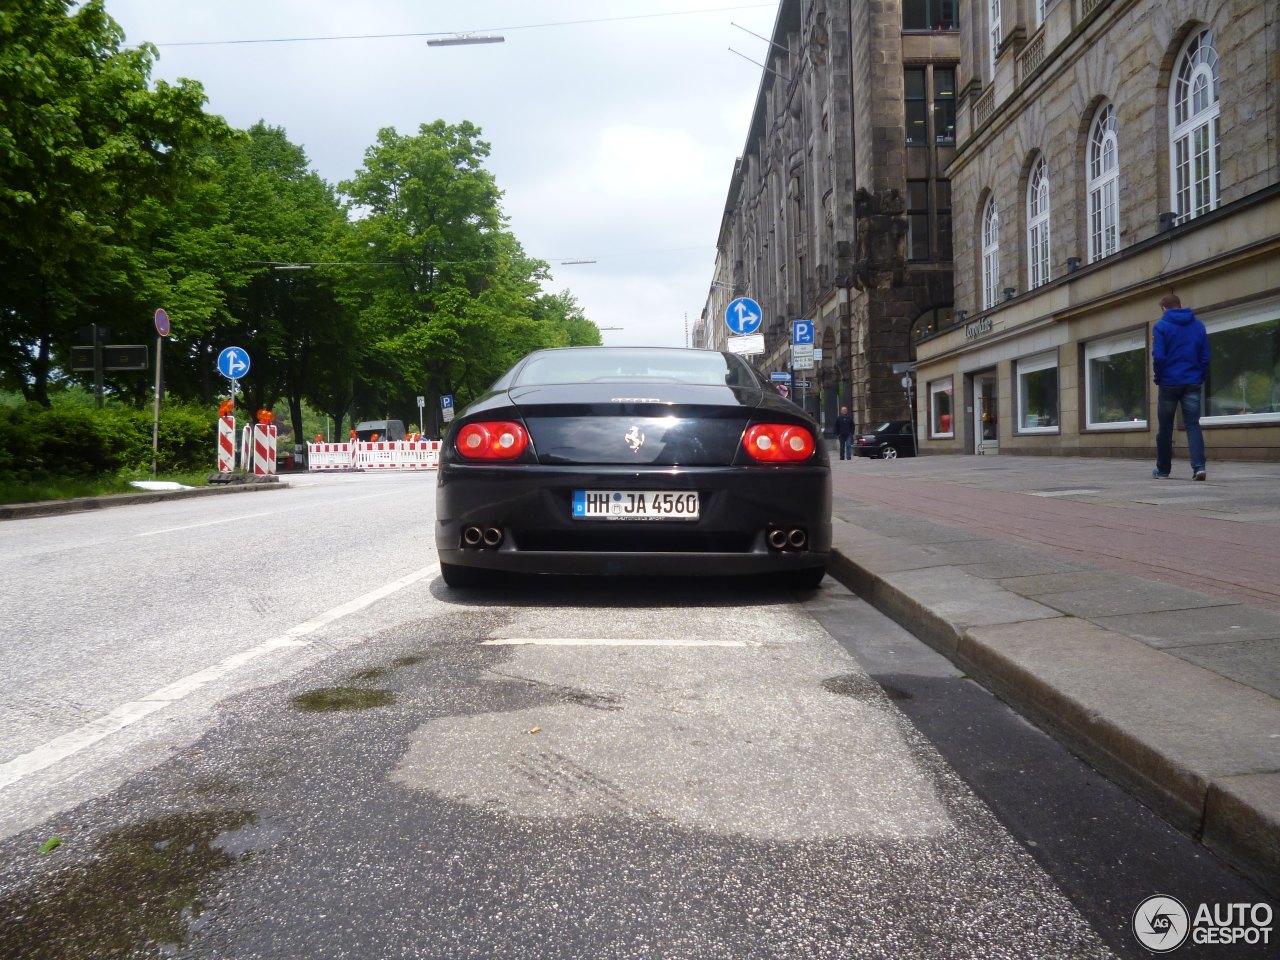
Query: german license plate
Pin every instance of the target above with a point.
(635, 505)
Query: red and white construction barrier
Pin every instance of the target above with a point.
(330, 456)
(374, 455)
(264, 449)
(226, 444)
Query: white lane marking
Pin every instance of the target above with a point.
(608, 642)
(251, 516)
(1062, 493)
(207, 523)
(46, 755)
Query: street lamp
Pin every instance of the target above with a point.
(461, 39)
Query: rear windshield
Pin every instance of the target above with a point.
(604, 364)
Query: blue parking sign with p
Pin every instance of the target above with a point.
(801, 331)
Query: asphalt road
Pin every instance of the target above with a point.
(262, 727)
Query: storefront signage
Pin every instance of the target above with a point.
(972, 331)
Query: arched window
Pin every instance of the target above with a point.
(929, 323)
(1193, 120)
(1104, 185)
(990, 255)
(1038, 224)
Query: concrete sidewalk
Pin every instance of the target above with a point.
(1136, 619)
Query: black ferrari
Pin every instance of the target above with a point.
(633, 460)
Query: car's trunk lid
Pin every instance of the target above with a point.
(636, 422)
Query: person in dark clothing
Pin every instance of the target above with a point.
(1180, 361)
(844, 433)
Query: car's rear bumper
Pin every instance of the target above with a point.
(531, 506)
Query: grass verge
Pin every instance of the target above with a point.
(67, 488)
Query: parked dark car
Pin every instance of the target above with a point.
(633, 460)
(890, 440)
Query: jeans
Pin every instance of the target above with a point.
(846, 447)
(1170, 399)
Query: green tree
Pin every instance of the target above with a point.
(442, 276)
(567, 324)
(85, 145)
(286, 217)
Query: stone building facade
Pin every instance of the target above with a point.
(839, 209)
(1109, 152)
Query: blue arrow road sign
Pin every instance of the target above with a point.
(743, 315)
(233, 363)
(802, 331)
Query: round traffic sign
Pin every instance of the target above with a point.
(233, 363)
(743, 315)
(162, 322)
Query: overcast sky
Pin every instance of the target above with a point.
(611, 140)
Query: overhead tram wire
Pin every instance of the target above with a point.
(560, 261)
(449, 33)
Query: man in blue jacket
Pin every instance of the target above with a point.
(1180, 358)
(844, 433)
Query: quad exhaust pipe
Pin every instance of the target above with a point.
(474, 536)
(793, 539)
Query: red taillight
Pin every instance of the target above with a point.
(491, 440)
(778, 443)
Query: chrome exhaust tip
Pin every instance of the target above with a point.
(471, 536)
(776, 538)
(797, 539)
(492, 536)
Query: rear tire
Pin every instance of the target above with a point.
(463, 578)
(890, 453)
(809, 578)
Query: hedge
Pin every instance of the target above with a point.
(72, 440)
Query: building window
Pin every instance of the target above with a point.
(918, 246)
(942, 208)
(929, 219)
(944, 104)
(1040, 5)
(941, 417)
(930, 322)
(1104, 186)
(1193, 118)
(1244, 365)
(1115, 375)
(990, 255)
(1038, 224)
(1037, 397)
(993, 26)
(916, 103)
(929, 15)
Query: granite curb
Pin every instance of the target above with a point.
(51, 508)
(1200, 749)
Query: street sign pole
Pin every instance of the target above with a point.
(162, 331)
(155, 420)
(98, 386)
(911, 412)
